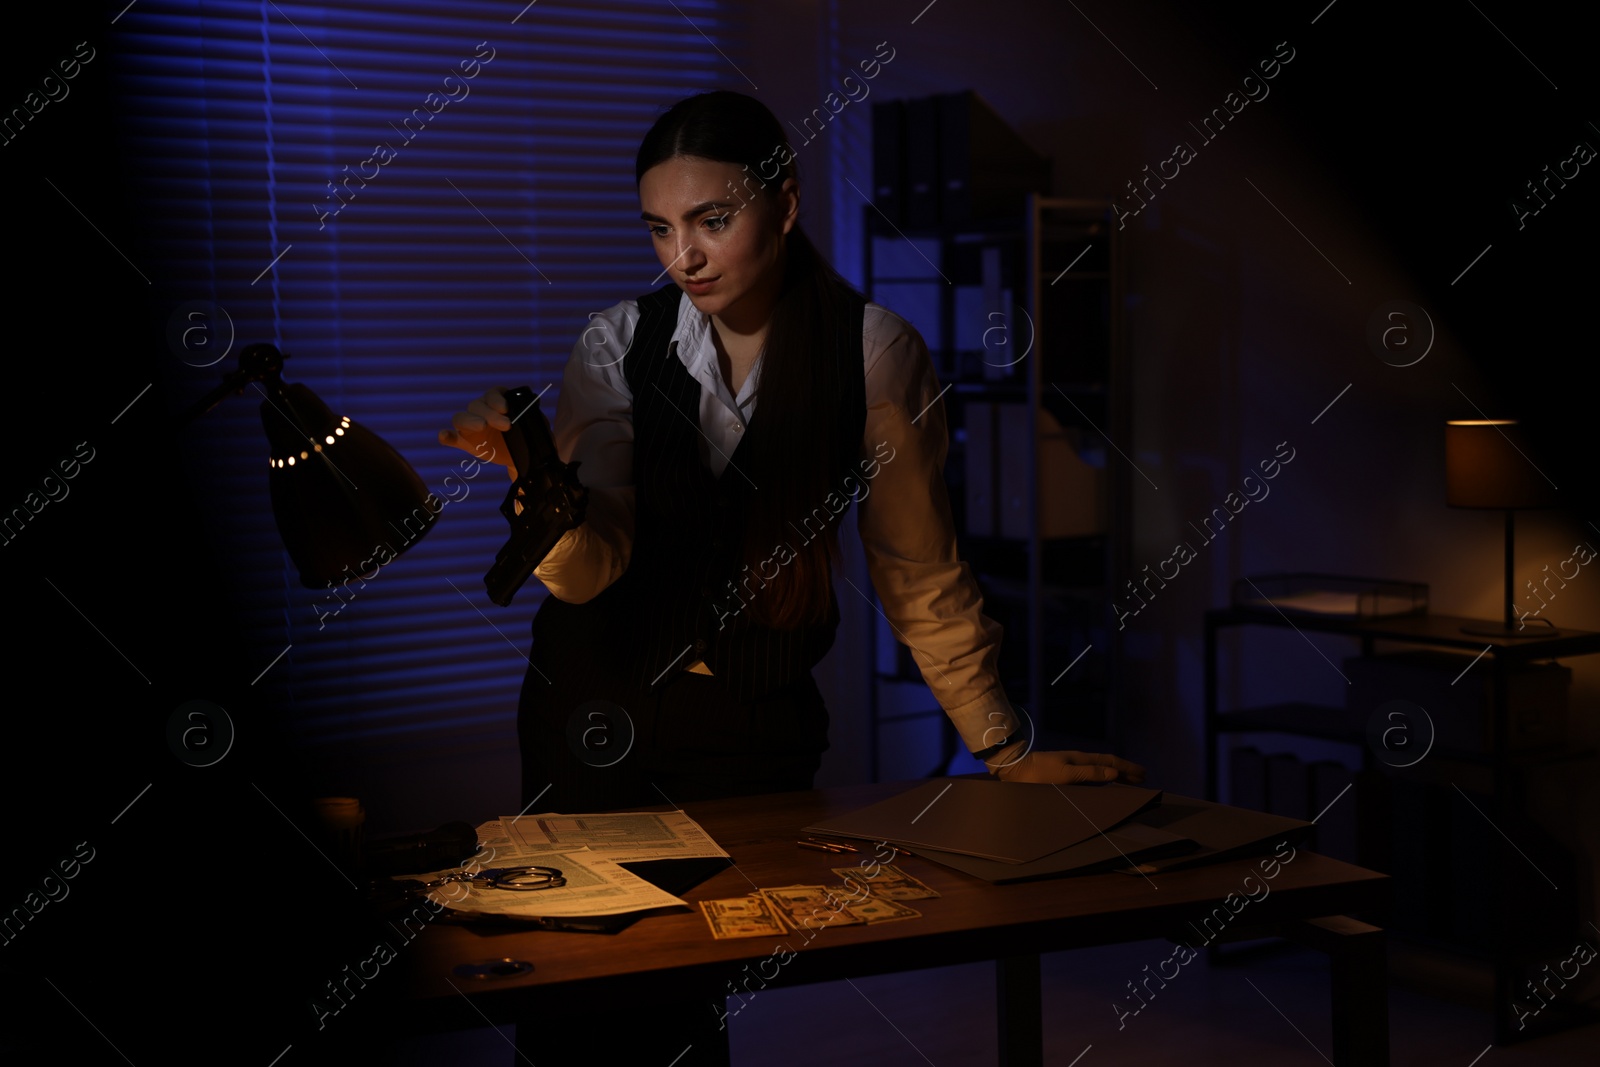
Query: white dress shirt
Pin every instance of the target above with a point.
(927, 592)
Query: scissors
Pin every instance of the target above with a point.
(519, 879)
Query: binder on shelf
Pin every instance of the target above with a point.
(1003, 348)
(889, 159)
(972, 320)
(922, 162)
(986, 170)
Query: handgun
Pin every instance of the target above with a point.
(543, 503)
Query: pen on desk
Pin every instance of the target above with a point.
(815, 847)
(834, 846)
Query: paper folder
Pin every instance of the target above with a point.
(1006, 822)
(1113, 849)
(1009, 832)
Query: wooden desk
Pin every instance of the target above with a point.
(971, 921)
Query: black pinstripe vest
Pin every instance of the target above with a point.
(682, 596)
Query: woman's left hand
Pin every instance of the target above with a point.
(479, 430)
(1066, 768)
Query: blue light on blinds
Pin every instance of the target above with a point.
(472, 257)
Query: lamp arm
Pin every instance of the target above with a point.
(257, 363)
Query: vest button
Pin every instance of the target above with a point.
(699, 644)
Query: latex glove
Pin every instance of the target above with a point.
(478, 430)
(1064, 768)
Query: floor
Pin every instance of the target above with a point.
(1271, 1008)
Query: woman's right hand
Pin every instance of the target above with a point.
(479, 429)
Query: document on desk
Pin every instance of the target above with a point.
(596, 885)
(623, 837)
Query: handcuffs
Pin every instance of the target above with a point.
(518, 879)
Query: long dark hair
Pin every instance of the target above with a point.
(800, 391)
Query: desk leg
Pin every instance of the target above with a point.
(1018, 1011)
(1212, 792)
(1360, 987)
(1503, 805)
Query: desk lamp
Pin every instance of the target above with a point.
(342, 495)
(1487, 466)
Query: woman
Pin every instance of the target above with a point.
(673, 659)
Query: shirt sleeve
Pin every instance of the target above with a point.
(928, 593)
(594, 426)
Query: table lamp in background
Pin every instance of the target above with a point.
(342, 495)
(1487, 465)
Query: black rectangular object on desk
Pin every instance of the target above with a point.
(986, 170)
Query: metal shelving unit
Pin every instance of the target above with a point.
(1028, 315)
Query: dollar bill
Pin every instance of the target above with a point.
(877, 910)
(811, 907)
(889, 883)
(751, 916)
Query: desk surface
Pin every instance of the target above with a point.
(972, 920)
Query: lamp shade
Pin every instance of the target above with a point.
(346, 502)
(1488, 464)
